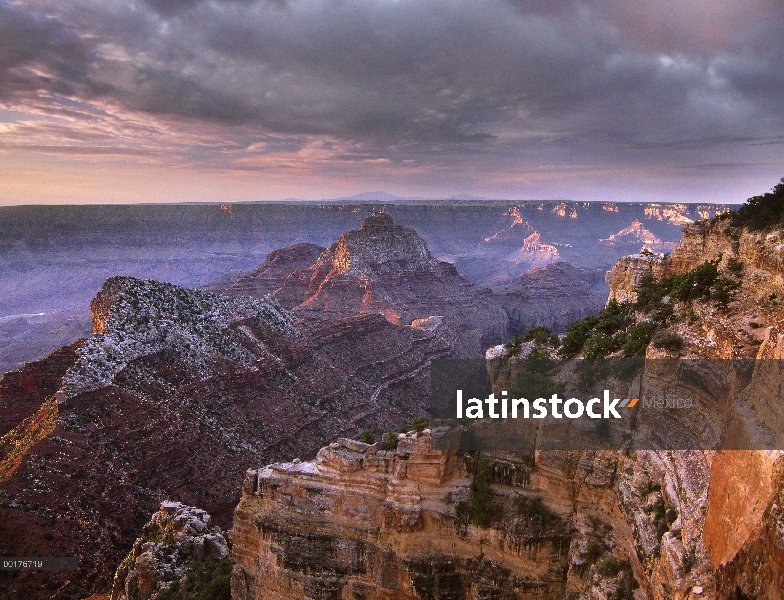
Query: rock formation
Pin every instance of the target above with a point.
(636, 236)
(367, 522)
(271, 274)
(169, 400)
(163, 557)
(553, 296)
(387, 269)
(363, 522)
(740, 539)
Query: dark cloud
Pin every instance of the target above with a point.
(39, 53)
(176, 7)
(424, 78)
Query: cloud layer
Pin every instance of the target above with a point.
(509, 96)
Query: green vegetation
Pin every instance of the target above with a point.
(629, 327)
(760, 212)
(420, 423)
(599, 335)
(205, 581)
(390, 441)
(593, 552)
(480, 508)
(542, 335)
(532, 380)
(514, 345)
(667, 340)
(612, 567)
(367, 437)
(536, 514)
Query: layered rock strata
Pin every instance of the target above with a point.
(361, 522)
(387, 269)
(170, 399)
(553, 296)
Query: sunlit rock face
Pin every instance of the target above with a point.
(690, 523)
(627, 274)
(359, 521)
(736, 534)
(636, 236)
(387, 269)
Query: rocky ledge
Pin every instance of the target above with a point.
(176, 538)
(363, 522)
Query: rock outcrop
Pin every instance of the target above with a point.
(637, 237)
(387, 269)
(553, 296)
(354, 521)
(176, 537)
(359, 521)
(739, 544)
(170, 400)
(272, 273)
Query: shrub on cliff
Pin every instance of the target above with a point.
(535, 514)
(761, 212)
(514, 345)
(205, 581)
(420, 423)
(668, 340)
(542, 335)
(596, 335)
(480, 508)
(390, 441)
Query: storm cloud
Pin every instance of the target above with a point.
(511, 84)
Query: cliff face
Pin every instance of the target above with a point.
(362, 522)
(755, 258)
(176, 541)
(553, 296)
(367, 523)
(271, 274)
(742, 491)
(178, 391)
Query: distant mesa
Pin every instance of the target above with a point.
(676, 214)
(534, 253)
(509, 252)
(634, 236)
(519, 229)
(565, 209)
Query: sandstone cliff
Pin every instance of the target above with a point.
(741, 491)
(361, 522)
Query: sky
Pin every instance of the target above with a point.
(105, 101)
